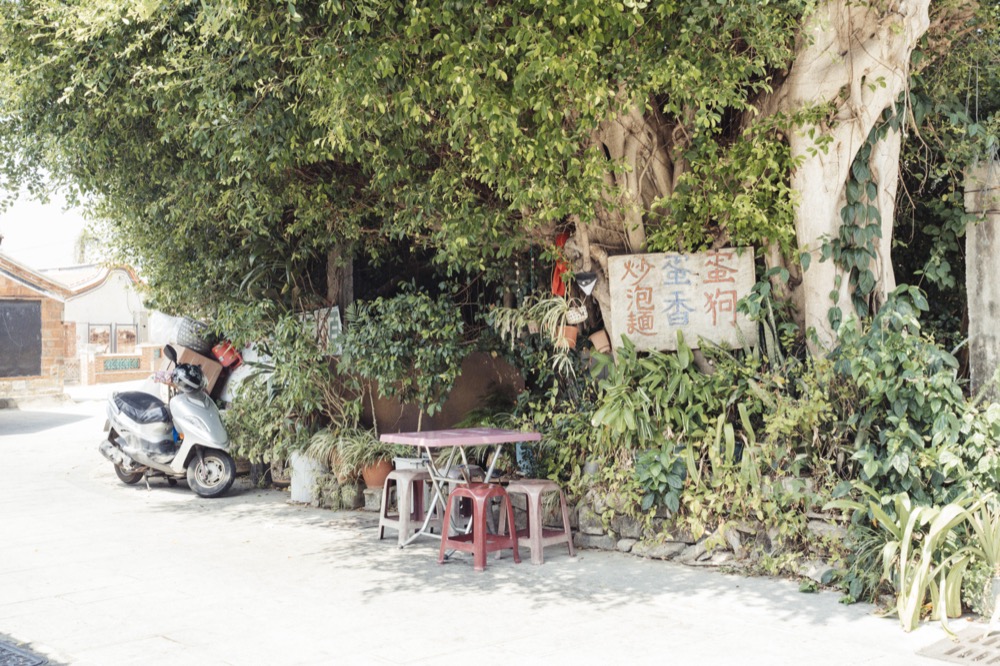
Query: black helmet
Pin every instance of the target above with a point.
(188, 377)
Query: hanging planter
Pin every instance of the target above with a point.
(576, 313)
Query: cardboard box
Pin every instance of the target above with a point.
(209, 366)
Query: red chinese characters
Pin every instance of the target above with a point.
(721, 304)
(641, 313)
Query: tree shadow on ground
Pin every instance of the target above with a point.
(347, 542)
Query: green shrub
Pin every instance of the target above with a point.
(660, 473)
(650, 397)
(910, 411)
(292, 391)
(410, 345)
(261, 428)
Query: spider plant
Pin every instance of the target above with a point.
(549, 315)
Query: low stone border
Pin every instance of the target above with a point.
(665, 541)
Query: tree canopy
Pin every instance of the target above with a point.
(237, 143)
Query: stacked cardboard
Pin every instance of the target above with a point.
(209, 366)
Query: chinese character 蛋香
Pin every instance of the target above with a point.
(678, 310)
(674, 270)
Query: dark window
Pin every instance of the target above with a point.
(20, 338)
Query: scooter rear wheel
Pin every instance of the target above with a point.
(128, 477)
(212, 474)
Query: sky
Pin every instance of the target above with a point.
(40, 235)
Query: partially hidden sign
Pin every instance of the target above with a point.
(655, 295)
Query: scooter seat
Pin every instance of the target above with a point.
(142, 407)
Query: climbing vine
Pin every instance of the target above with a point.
(854, 249)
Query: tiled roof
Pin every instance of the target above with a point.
(33, 279)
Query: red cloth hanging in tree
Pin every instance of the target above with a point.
(561, 267)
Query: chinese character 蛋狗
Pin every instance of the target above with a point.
(721, 303)
(718, 271)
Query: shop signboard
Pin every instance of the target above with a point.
(653, 296)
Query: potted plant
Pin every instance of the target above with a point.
(411, 346)
(551, 316)
(360, 449)
(354, 450)
(555, 316)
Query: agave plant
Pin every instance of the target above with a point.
(985, 545)
(985, 524)
(922, 555)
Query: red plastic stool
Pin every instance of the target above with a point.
(538, 536)
(409, 485)
(479, 542)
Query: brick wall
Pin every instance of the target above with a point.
(50, 381)
(109, 368)
(71, 374)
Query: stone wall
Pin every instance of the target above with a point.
(665, 540)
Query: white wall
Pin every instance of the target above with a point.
(114, 302)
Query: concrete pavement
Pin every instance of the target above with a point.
(95, 572)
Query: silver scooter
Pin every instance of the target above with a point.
(185, 438)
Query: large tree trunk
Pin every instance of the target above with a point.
(642, 143)
(885, 167)
(853, 56)
(857, 57)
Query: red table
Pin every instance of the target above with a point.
(457, 440)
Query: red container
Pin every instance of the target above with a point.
(227, 355)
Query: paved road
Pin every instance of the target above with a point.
(95, 572)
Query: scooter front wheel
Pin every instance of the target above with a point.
(212, 473)
(127, 476)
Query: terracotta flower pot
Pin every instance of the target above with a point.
(374, 475)
(601, 341)
(570, 333)
(337, 467)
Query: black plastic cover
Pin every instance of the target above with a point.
(142, 407)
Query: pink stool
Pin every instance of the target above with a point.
(479, 542)
(538, 536)
(409, 485)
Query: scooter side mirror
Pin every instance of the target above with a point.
(170, 353)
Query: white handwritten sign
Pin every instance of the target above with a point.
(655, 295)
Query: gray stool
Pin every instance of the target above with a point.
(538, 536)
(409, 485)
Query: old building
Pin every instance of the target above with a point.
(111, 323)
(35, 340)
